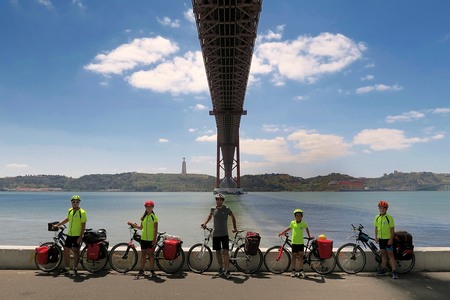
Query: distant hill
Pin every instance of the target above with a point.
(141, 182)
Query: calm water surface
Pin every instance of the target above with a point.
(24, 216)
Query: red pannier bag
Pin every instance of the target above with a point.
(171, 247)
(252, 240)
(93, 251)
(42, 255)
(325, 248)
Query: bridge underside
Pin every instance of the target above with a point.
(227, 32)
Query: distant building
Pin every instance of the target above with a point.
(183, 167)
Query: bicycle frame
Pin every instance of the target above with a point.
(364, 239)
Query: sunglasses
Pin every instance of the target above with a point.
(75, 201)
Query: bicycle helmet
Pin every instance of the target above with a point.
(75, 197)
(383, 203)
(220, 196)
(149, 203)
(298, 210)
(322, 237)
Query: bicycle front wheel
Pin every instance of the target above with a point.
(123, 257)
(54, 259)
(320, 265)
(351, 258)
(169, 266)
(249, 264)
(277, 259)
(404, 266)
(199, 258)
(94, 265)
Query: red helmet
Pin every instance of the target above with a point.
(149, 203)
(383, 203)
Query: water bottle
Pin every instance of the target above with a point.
(372, 246)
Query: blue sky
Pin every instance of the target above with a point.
(105, 87)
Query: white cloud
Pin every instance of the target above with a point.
(386, 139)
(189, 15)
(200, 107)
(306, 58)
(314, 146)
(367, 77)
(166, 21)
(378, 88)
(79, 4)
(139, 52)
(271, 35)
(405, 117)
(163, 140)
(299, 147)
(182, 75)
(207, 138)
(270, 128)
(192, 130)
(46, 3)
(440, 110)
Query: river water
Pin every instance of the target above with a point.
(24, 215)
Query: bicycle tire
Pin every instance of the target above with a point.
(199, 258)
(123, 257)
(320, 265)
(169, 266)
(53, 265)
(404, 266)
(351, 258)
(249, 264)
(94, 266)
(275, 264)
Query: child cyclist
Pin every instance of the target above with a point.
(297, 226)
(149, 227)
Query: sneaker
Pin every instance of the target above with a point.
(75, 271)
(141, 273)
(152, 273)
(382, 272)
(220, 272)
(71, 272)
(227, 274)
(394, 275)
(63, 271)
(301, 274)
(293, 274)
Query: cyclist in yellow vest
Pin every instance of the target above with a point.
(384, 236)
(76, 216)
(297, 226)
(149, 227)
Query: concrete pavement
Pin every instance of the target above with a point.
(32, 284)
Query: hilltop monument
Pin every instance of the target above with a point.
(183, 167)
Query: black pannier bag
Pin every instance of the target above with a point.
(403, 245)
(93, 236)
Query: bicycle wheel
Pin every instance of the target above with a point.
(246, 263)
(169, 266)
(277, 260)
(351, 258)
(55, 258)
(320, 265)
(123, 257)
(91, 265)
(404, 266)
(199, 258)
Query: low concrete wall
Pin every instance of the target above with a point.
(427, 259)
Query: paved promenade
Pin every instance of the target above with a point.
(31, 284)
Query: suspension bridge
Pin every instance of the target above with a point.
(227, 32)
